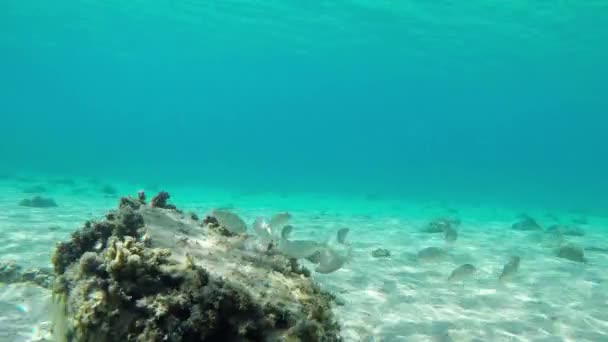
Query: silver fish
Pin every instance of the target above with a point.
(299, 248)
(331, 261)
(450, 234)
(431, 254)
(462, 272)
(286, 231)
(230, 221)
(262, 228)
(510, 268)
(341, 235)
(279, 220)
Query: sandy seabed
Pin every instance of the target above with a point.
(394, 298)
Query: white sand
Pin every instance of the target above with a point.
(385, 299)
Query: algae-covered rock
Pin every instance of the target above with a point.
(151, 274)
(160, 201)
(11, 272)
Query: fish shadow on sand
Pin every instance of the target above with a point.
(38, 202)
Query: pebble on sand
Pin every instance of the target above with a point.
(381, 253)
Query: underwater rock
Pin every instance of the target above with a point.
(440, 225)
(510, 269)
(571, 252)
(210, 220)
(381, 253)
(141, 196)
(36, 189)
(160, 200)
(152, 275)
(212, 223)
(462, 272)
(431, 254)
(526, 223)
(10, 272)
(568, 230)
(38, 202)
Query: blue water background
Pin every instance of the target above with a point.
(483, 101)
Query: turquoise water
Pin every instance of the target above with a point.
(498, 99)
(383, 114)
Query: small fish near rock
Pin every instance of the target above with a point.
(381, 253)
(440, 225)
(332, 260)
(462, 272)
(510, 269)
(278, 221)
(38, 202)
(341, 235)
(431, 254)
(231, 221)
(552, 238)
(262, 229)
(298, 249)
(571, 252)
(526, 223)
(568, 230)
(286, 232)
(315, 258)
(450, 234)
